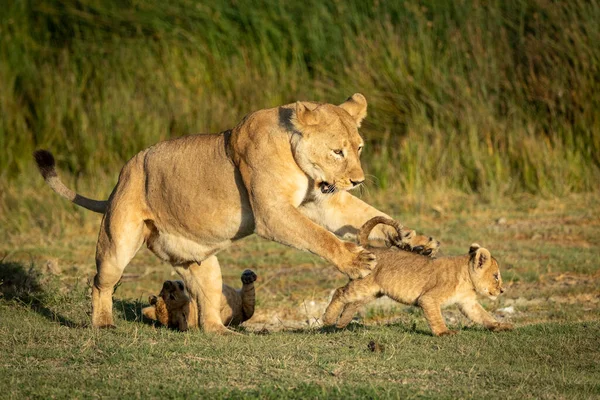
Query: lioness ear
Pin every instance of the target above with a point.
(149, 312)
(356, 106)
(305, 116)
(481, 258)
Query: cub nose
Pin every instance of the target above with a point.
(501, 290)
(356, 183)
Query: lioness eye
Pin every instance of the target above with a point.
(339, 153)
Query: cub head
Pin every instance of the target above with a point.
(174, 294)
(327, 145)
(170, 302)
(484, 272)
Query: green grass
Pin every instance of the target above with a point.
(483, 97)
(547, 251)
(43, 359)
(482, 127)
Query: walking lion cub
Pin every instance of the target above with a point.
(430, 283)
(174, 308)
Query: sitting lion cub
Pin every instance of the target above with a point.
(174, 308)
(430, 283)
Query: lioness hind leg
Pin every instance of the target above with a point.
(205, 284)
(115, 248)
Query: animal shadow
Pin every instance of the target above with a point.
(25, 285)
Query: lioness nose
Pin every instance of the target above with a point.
(356, 183)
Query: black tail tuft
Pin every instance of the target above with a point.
(45, 162)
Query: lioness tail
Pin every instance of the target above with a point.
(365, 230)
(47, 166)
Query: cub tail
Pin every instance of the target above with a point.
(365, 230)
(47, 166)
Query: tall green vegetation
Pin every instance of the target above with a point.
(479, 96)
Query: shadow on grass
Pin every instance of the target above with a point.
(25, 285)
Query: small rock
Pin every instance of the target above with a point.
(501, 221)
(375, 347)
(506, 310)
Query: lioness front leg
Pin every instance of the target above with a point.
(344, 214)
(285, 224)
(476, 313)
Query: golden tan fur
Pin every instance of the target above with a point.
(174, 308)
(430, 283)
(282, 173)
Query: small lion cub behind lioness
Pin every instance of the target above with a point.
(174, 308)
(430, 283)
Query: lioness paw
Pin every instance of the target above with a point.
(502, 326)
(363, 264)
(420, 244)
(248, 276)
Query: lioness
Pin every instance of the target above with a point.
(174, 308)
(430, 283)
(282, 173)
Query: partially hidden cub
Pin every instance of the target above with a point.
(430, 283)
(174, 308)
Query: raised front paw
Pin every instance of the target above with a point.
(502, 326)
(362, 264)
(248, 276)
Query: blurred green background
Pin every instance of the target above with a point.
(496, 97)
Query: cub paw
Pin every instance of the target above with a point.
(447, 333)
(248, 276)
(502, 326)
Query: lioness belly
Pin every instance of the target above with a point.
(197, 200)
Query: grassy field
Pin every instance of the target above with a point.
(548, 251)
(478, 96)
(483, 127)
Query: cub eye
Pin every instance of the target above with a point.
(496, 276)
(338, 152)
(360, 148)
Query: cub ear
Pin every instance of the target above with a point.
(474, 247)
(356, 106)
(480, 258)
(305, 116)
(149, 312)
(152, 300)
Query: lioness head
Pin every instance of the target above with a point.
(484, 272)
(328, 145)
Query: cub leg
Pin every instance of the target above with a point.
(205, 284)
(357, 291)
(114, 250)
(476, 313)
(433, 314)
(248, 294)
(348, 313)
